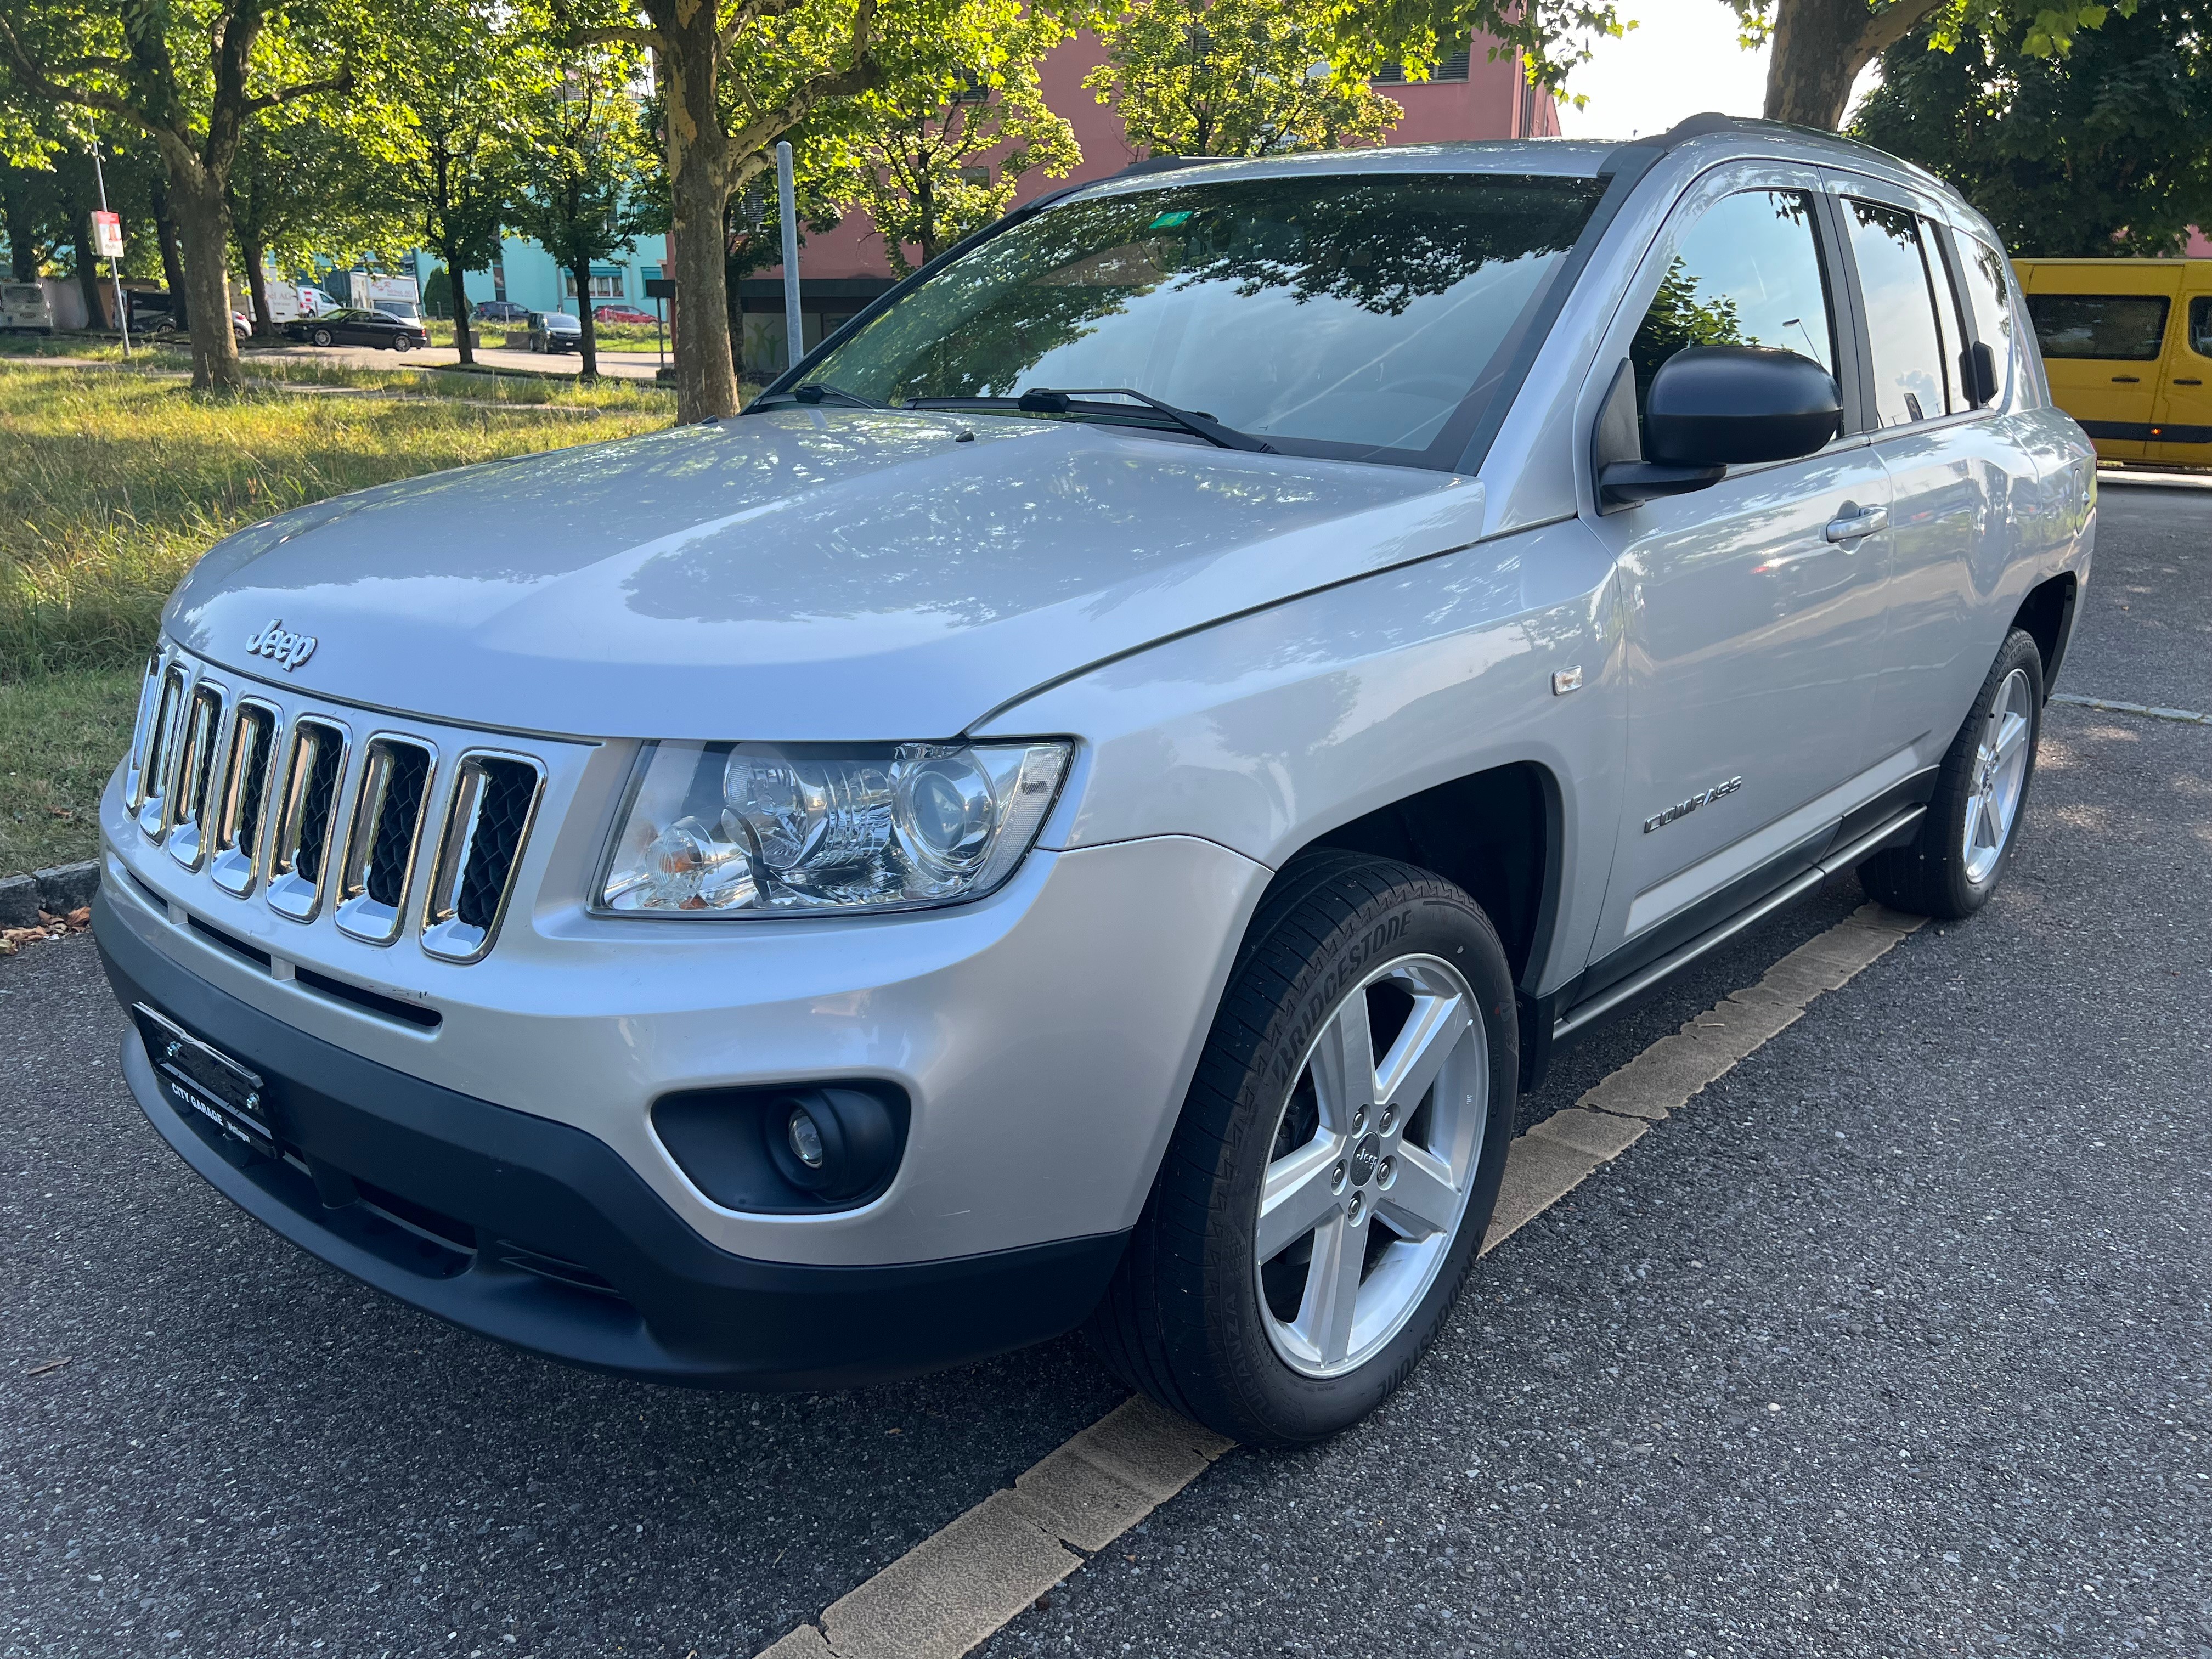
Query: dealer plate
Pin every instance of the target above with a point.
(200, 1078)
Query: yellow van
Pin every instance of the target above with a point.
(2128, 345)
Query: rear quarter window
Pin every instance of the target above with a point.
(2116, 327)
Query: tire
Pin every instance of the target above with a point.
(320, 336)
(1981, 790)
(1193, 1317)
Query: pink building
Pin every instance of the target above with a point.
(1470, 96)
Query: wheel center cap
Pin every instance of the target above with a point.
(1366, 1158)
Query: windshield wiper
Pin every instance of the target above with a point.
(1060, 400)
(821, 391)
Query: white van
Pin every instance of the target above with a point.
(25, 305)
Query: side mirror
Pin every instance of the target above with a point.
(1711, 408)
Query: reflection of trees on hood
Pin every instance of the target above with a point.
(1376, 242)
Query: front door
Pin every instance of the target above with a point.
(2181, 429)
(1755, 607)
(2102, 327)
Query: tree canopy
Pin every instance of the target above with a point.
(2107, 151)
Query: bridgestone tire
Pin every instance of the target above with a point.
(1929, 875)
(1183, 1319)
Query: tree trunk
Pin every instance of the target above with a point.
(172, 267)
(581, 275)
(257, 284)
(22, 249)
(460, 307)
(204, 222)
(1820, 47)
(699, 185)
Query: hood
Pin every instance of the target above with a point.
(804, 575)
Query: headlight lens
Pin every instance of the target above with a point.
(751, 828)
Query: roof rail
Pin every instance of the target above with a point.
(1167, 164)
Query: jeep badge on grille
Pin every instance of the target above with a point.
(274, 643)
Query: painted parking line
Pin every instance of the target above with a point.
(966, 1581)
(2186, 716)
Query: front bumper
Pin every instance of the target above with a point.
(538, 1234)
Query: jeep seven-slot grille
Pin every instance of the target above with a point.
(250, 798)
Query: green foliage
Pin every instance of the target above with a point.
(583, 169)
(1678, 319)
(937, 155)
(2105, 150)
(1233, 77)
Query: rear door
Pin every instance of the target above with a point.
(2181, 426)
(1754, 620)
(2102, 325)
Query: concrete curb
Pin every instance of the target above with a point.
(58, 891)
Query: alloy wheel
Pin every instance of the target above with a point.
(2000, 776)
(1373, 1159)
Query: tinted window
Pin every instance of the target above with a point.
(2122, 327)
(1899, 275)
(2200, 325)
(1949, 323)
(1986, 294)
(1747, 273)
(1335, 315)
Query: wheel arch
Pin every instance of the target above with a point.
(2047, 614)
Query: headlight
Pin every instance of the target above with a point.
(749, 829)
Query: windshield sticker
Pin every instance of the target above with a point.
(1169, 220)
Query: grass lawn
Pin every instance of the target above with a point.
(112, 483)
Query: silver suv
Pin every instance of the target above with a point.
(1089, 801)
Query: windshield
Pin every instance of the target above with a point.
(1350, 315)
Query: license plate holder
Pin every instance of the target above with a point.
(200, 1078)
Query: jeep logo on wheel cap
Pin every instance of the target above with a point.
(274, 643)
(1366, 1158)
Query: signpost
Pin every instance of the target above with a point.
(108, 235)
(657, 289)
(794, 330)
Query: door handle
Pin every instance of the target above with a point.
(2189, 383)
(2127, 379)
(1855, 522)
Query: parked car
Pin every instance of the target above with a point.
(500, 311)
(2128, 343)
(25, 305)
(241, 325)
(407, 311)
(351, 327)
(552, 330)
(620, 315)
(314, 302)
(948, 856)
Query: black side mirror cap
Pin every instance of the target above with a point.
(1624, 483)
(1734, 405)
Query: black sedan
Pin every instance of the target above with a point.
(359, 328)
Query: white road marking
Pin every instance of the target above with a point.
(968, 1580)
(2186, 716)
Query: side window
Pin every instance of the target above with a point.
(1986, 294)
(1899, 279)
(2200, 324)
(1747, 273)
(2116, 327)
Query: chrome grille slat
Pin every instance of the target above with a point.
(298, 853)
(160, 763)
(386, 829)
(495, 803)
(134, 776)
(203, 733)
(242, 807)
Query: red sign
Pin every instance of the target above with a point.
(108, 235)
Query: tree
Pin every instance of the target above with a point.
(2106, 152)
(304, 185)
(193, 76)
(467, 89)
(1233, 77)
(737, 76)
(583, 179)
(922, 170)
(1819, 46)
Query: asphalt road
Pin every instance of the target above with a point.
(617, 365)
(1895, 1341)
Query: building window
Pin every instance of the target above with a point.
(605, 285)
(975, 175)
(972, 92)
(1453, 68)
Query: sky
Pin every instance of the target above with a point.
(1681, 59)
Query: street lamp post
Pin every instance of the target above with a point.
(110, 227)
